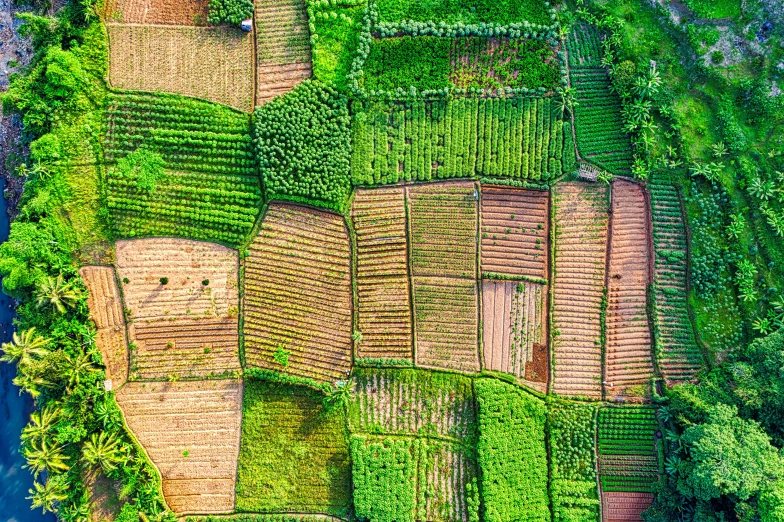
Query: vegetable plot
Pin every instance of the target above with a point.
(627, 449)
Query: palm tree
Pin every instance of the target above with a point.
(41, 423)
(79, 367)
(24, 348)
(763, 190)
(719, 150)
(56, 293)
(567, 100)
(47, 496)
(44, 456)
(103, 449)
(647, 84)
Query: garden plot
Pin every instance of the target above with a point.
(106, 311)
(628, 361)
(283, 47)
(618, 506)
(514, 330)
(297, 299)
(174, 12)
(515, 232)
(628, 456)
(384, 314)
(409, 402)
(191, 430)
(581, 221)
(213, 63)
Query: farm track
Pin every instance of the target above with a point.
(628, 360)
(202, 418)
(384, 311)
(298, 294)
(581, 225)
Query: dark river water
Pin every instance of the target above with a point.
(14, 413)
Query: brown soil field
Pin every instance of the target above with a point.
(581, 222)
(106, 310)
(283, 47)
(514, 320)
(628, 361)
(445, 316)
(187, 264)
(175, 12)
(297, 299)
(624, 507)
(191, 430)
(515, 231)
(443, 229)
(186, 348)
(384, 313)
(213, 63)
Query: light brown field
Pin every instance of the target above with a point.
(183, 328)
(106, 310)
(515, 231)
(581, 221)
(213, 63)
(297, 299)
(514, 330)
(176, 12)
(624, 507)
(191, 430)
(628, 361)
(384, 312)
(283, 47)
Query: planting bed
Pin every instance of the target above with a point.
(283, 47)
(584, 46)
(581, 220)
(628, 460)
(628, 360)
(213, 63)
(624, 506)
(384, 315)
(515, 232)
(191, 430)
(106, 311)
(175, 12)
(297, 298)
(514, 330)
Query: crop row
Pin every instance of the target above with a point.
(584, 46)
(627, 449)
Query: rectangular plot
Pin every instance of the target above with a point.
(628, 457)
(624, 507)
(176, 12)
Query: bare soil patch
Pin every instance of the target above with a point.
(174, 12)
(104, 494)
(191, 430)
(624, 507)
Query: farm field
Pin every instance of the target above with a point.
(502, 12)
(175, 12)
(283, 47)
(191, 431)
(624, 506)
(294, 455)
(628, 458)
(213, 63)
(515, 232)
(106, 311)
(581, 223)
(384, 314)
(628, 360)
(297, 294)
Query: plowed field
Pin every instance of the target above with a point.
(581, 220)
(106, 310)
(213, 63)
(191, 431)
(379, 217)
(624, 507)
(175, 12)
(297, 297)
(515, 232)
(628, 361)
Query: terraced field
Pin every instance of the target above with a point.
(191, 430)
(384, 313)
(628, 361)
(581, 221)
(297, 298)
(283, 47)
(515, 231)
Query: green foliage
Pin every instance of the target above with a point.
(511, 453)
(715, 9)
(423, 62)
(628, 458)
(336, 30)
(500, 12)
(229, 11)
(142, 167)
(303, 142)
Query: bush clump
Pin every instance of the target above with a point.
(229, 11)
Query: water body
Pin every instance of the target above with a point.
(14, 413)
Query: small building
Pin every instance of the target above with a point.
(247, 25)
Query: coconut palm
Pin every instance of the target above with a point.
(41, 423)
(56, 293)
(47, 495)
(79, 367)
(104, 450)
(42, 455)
(24, 348)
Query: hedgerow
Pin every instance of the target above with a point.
(511, 453)
(303, 143)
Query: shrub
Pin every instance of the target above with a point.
(164, 280)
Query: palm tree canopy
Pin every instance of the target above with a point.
(56, 293)
(24, 347)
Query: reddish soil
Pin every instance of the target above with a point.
(629, 365)
(515, 231)
(624, 507)
(297, 297)
(175, 12)
(536, 370)
(382, 274)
